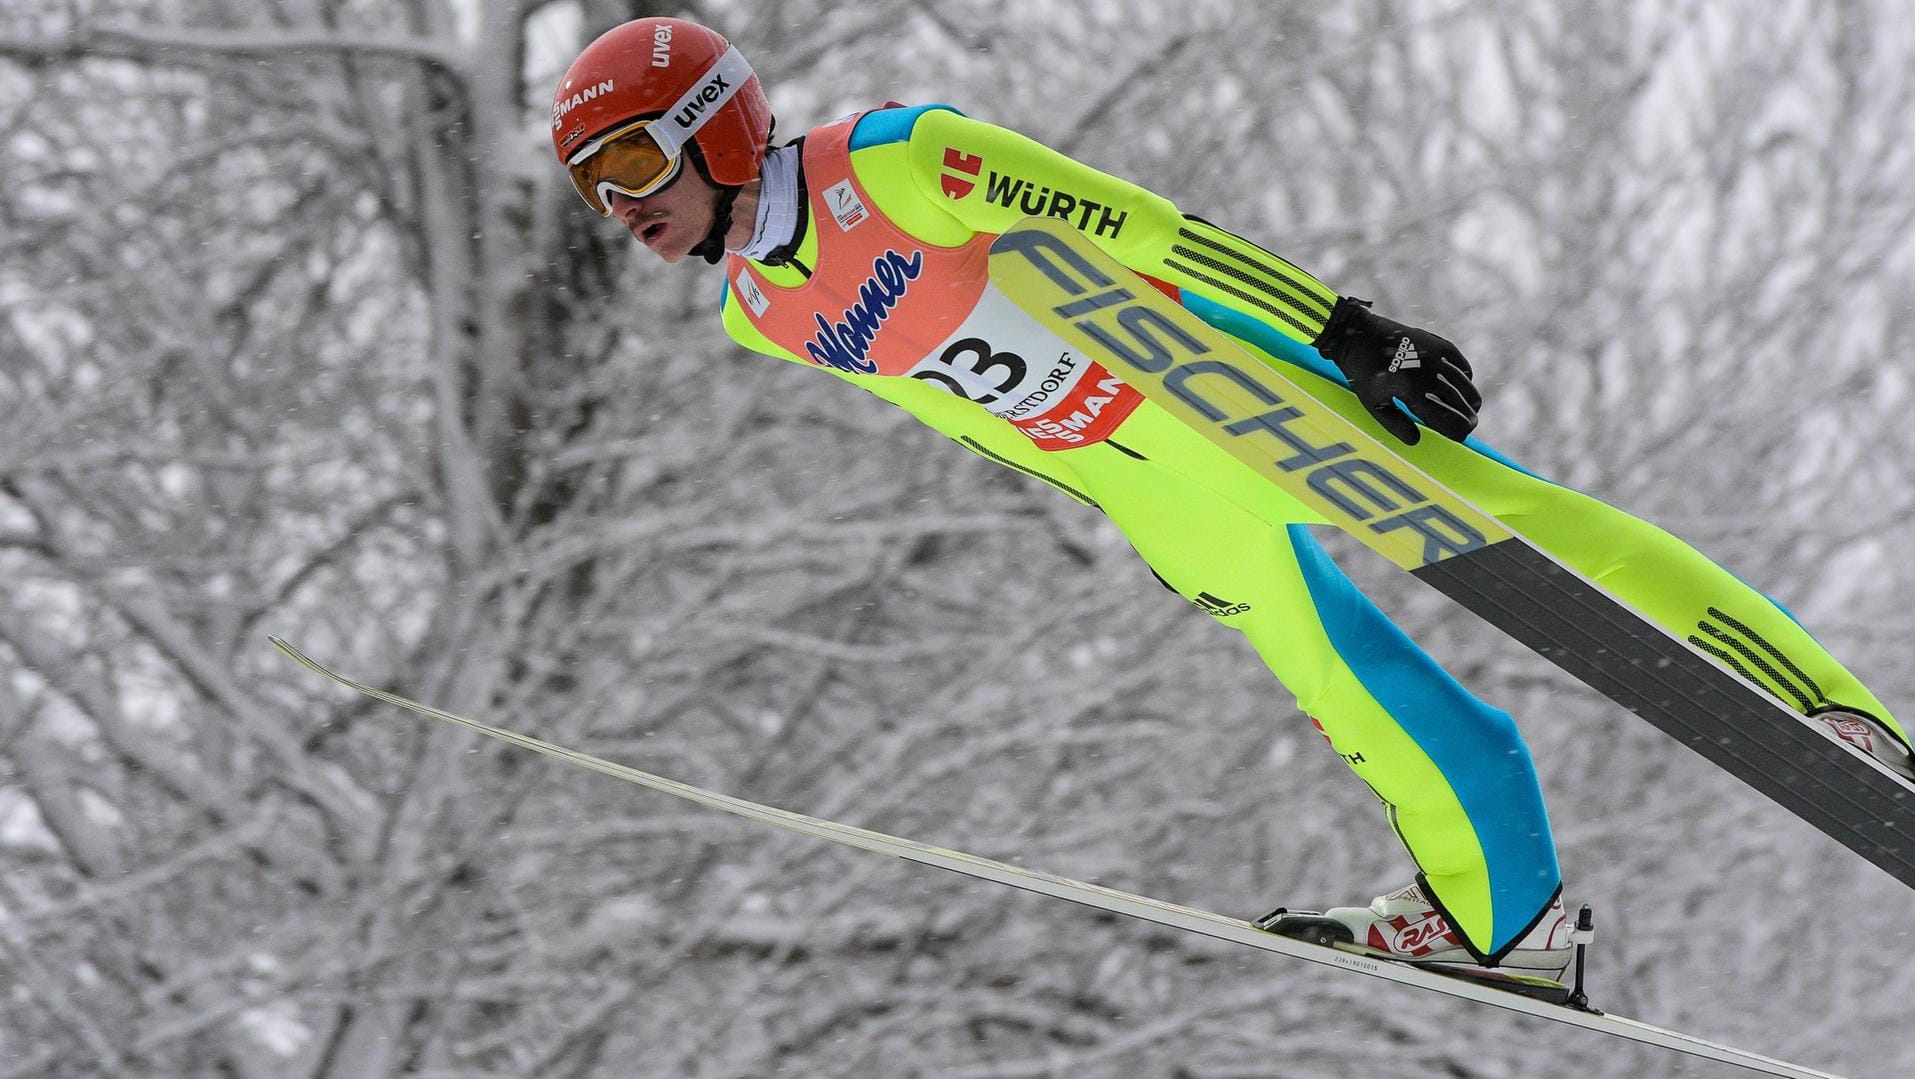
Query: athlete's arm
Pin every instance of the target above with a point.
(988, 177)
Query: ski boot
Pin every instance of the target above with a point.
(1405, 926)
(1869, 735)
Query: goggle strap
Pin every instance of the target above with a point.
(721, 82)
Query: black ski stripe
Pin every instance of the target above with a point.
(1289, 279)
(1224, 286)
(982, 450)
(1758, 663)
(1781, 657)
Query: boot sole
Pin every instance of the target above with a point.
(1325, 932)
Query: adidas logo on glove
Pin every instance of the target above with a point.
(1405, 355)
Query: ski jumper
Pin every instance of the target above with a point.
(887, 290)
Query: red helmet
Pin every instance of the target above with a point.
(688, 75)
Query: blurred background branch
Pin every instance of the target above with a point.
(300, 332)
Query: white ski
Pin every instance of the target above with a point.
(1117, 902)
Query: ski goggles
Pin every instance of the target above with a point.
(644, 157)
(628, 160)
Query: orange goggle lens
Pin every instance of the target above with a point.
(626, 160)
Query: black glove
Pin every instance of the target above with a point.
(1387, 362)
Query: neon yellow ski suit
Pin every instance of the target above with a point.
(1458, 783)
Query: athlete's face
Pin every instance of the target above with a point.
(671, 221)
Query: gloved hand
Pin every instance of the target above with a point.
(1387, 362)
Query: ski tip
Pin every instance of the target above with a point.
(301, 658)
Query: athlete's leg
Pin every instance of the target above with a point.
(1662, 577)
(1459, 784)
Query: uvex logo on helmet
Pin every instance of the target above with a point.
(713, 90)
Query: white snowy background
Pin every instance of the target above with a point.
(301, 331)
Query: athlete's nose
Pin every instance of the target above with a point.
(624, 207)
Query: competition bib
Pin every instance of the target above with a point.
(1021, 372)
(879, 301)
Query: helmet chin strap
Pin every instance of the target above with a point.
(712, 247)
